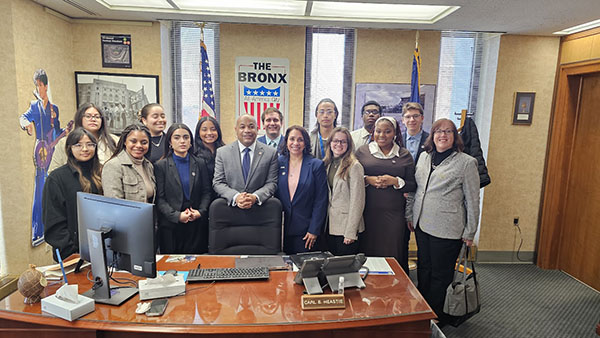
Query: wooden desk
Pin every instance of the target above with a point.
(390, 306)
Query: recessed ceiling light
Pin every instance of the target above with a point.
(579, 28)
(136, 3)
(380, 12)
(262, 7)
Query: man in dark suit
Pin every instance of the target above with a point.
(272, 120)
(245, 170)
(414, 140)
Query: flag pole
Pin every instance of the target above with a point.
(417, 41)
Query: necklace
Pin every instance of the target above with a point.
(159, 141)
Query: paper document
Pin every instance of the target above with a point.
(377, 266)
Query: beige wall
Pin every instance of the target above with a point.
(34, 39)
(385, 56)
(261, 41)
(516, 154)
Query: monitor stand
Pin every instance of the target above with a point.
(104, 293)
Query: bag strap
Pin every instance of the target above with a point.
(462, 257)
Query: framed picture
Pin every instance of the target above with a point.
(119, 96)
(116, 50)
(391, 97)
(523, 112)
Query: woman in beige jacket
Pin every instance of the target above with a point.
(345, 177)
(128, 174)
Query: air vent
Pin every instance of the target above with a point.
(79, 7)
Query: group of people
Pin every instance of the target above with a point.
(341, 191)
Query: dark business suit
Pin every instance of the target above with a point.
(176, 237)
(424, 137)
(307, 211)
(228, 179)
(263, 139)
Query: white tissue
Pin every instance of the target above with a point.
(165, 279)
(68, 293)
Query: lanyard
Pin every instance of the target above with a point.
(322, 148)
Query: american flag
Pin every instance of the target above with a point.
(208, 97)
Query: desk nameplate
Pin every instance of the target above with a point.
(319, 302)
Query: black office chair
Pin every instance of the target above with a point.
(255, 231)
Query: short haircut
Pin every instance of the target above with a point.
(370, 103)
(412, 105)
(269, 111)
(146, 110)
(40, 75)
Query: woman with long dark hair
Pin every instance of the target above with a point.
(183, 193)
(92, 119)
(80, 173)
(207, 139)
(153, 116)
(345, 178)
(302, 190)
(129, 174)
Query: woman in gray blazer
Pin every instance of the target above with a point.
(345, 178)
(444, 211)
(128, 174)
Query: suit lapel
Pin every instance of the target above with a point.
(194, 172)
(304, 169)
(173, 168)
(283, 182)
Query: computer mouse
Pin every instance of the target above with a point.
(171, 272)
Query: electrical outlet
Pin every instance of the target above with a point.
(516, 221)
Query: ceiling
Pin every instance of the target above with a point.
(526, 17)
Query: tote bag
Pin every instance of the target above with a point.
(462, 295)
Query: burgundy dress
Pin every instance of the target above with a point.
(384, 208)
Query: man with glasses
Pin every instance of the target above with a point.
(413, 139)
(370, 112)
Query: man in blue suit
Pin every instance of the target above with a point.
(414, 140)
(272, 120)
(245, 170)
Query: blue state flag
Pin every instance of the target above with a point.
(415, 81)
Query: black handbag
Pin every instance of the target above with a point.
(462, 295)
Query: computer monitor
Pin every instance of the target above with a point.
(119, 234)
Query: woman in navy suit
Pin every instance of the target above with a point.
(183, 195)
(302, 190)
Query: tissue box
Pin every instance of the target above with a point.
(68, 310)
(155, 290)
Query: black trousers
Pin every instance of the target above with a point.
(338, 248)
(404, 263)
(437, 259)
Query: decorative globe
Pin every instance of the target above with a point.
(31, 284)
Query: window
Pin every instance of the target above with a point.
(329, 72)
(458, 79)
(186, 72)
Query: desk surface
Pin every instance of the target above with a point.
(241, 307)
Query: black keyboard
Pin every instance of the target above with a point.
(225, 274)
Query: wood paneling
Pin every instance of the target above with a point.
(580, 248)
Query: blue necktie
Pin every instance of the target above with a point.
(246, 163)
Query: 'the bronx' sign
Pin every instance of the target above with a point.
(261, 83)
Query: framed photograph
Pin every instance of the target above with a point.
(116, 50)
(523, 112)
(119, 96)
(391, 97)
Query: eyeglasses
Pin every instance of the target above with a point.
(372, 111)
(92, 117)
(340, 142)
(80, 146)
(412, 117)
(446, 132)
(328, 112)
